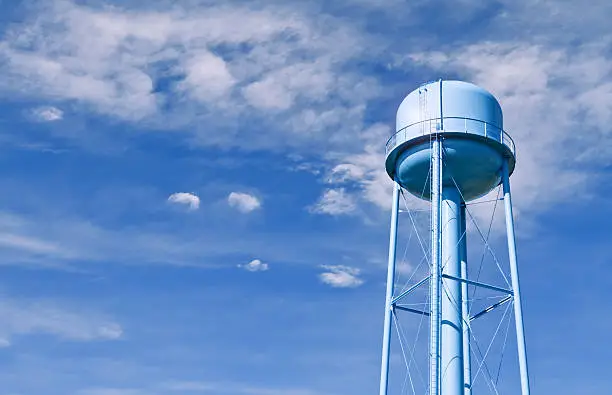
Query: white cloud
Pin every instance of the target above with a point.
(345, 172)
(243, 202)
(267, 94)
(365, 169)
(279, 88)
(20, 318)
(207, 77)
(255, 266)
(340, 276)
(279, 58)
(48, 114)
(185, 198)
(335, 202)
(51, 55)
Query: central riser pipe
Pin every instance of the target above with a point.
(452, 367)
(467, 359)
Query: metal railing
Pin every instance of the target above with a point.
(451, 125)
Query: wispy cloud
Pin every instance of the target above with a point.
(340, 276)
(66, 242)
(26, 317)
(114, 391)
(31, 244)
(198, 387)
(335, 202)
(279, 89)
(185, 198)
(47, 114)
(234, 388)
(40, 241)
(189, 386)
(243, 202)
(279, 61)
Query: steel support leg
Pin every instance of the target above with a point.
(452, 382)
(518, 311)
(384, 369)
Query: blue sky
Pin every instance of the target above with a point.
(194, 198)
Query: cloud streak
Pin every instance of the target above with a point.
(28, 317)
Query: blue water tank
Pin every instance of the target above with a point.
(469, 121)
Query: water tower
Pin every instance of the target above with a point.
(450, 148)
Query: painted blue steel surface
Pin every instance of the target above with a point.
(473, 165)
(452, 381)
(384, 370)
(459, 99)
(518, 307)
